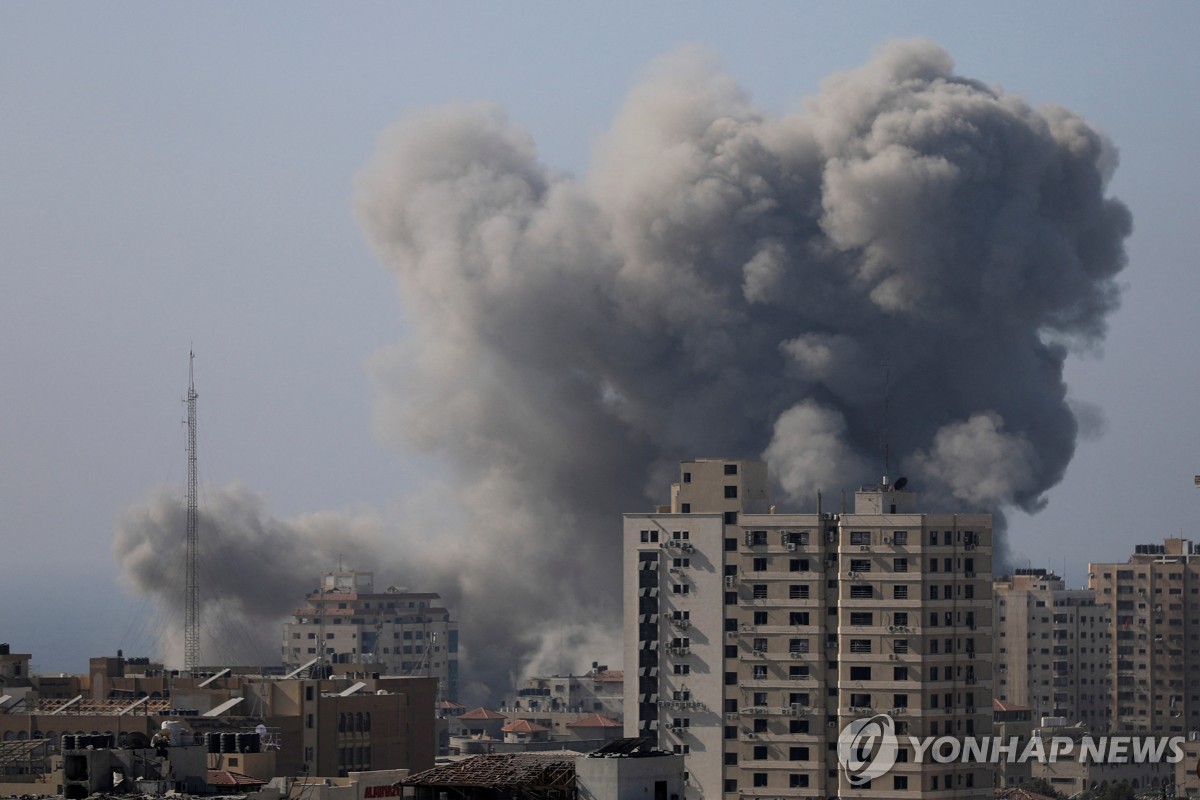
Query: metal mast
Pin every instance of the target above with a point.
(191, 634)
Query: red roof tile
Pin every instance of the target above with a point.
(1000, 705)
(482, 713)
(523, 726)
(594, 721)
(225, 777)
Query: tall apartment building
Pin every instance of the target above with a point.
(1154, 600)
(752, 638)
(398, 631)
(1053, 648)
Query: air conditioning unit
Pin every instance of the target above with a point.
(970, 574)
(851, 575)
(677, 729)
(758, 652)
(674, 570)
(791, 547)
(864, 547)
(731, 634)
(731, 715)
(832, 724)
(887, 540)
(729, 581)
(893, 657)
(687, 547)
(969, 709)
(892, 629)
(797, 654)
(751, 735)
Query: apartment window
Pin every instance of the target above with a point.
(759, 565)
(731, 492)
(862, 592)
(760, 591)
(798, 781)
(860, 645)
(682, 669)
(760, 644)
(760, 618)
(730, 785)
(900, 592)
(860, 565)
(731, 469)
(731, 518)
(760, 698)
(797, 671)
(798, 754)
(900, 618)
(685, 508)
(900, 673)
(933, 565)
(933, 537)
(860, 537)
(798, 645)
(798, 565)
(760, 725)
(798, 618)
(760, 752)
(681, 588)
(900, 537)
(860, 674)
(900, 782)
(899, 565)
(798, 591)
(760, 779)
(760, 672)
(798, 726)
(687, 477)
(900, 645)
(862, 618)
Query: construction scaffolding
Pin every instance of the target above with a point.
(27, 757)
(506, 776)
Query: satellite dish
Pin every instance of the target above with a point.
(900, 483)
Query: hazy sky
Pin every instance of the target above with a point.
(182, 175)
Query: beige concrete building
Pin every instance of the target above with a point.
(324, 727)
(1012, 722)
(394, 632)
(1053, 648)
(598, 691)
(1154, 600)
(758, 636)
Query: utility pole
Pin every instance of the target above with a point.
(191, 633)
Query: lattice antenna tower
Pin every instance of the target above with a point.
(191, 633)
(887, 408)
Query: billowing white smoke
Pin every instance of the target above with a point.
(727, 282)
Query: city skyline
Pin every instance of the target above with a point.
(162, 198)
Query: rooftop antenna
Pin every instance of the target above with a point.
(191, 630)
(887, 402)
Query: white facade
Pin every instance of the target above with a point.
(753, 638)
(396, 631)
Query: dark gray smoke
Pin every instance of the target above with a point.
(727, 282)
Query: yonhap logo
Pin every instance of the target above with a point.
(866, 748)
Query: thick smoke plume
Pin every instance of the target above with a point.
(727, 282)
